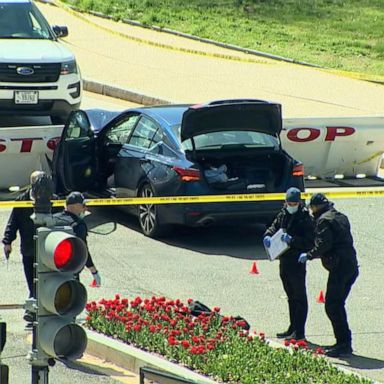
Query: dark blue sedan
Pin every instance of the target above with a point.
(223, 147)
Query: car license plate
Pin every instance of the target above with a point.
(26, 97)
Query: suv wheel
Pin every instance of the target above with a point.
(149, 217)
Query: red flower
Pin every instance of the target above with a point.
(196, 339)
(319, 351)
(137, 328)
(241, 323)
(286, 343)
(302, 343)
(172, 340)
(173, 322)
(185, 344)
(216, 309)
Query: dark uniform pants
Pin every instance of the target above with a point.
(339, 285)
(28, 272)
(293, 278)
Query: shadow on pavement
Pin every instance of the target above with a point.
(242, 241)
(239, 240)
(85, 367)
(361, 362)
(104, 220)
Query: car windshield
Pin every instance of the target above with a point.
(230, 139)
(19, 20)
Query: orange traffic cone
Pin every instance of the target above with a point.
(93, 284)
(254, 269)
(321, 298)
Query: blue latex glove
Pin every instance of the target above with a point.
(303, 258)
(96, 279)
(267, 241)
(286, 238)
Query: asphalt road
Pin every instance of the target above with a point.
(212, 265)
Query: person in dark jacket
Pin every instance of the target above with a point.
(334, 246)
(73, 216)
(20, 221)
(298, 226)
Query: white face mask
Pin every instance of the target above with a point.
(293, 209)
(82, 215)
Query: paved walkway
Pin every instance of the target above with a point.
(142, 60)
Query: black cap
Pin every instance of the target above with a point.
(318, 199)
(293, 195)
(75, 198)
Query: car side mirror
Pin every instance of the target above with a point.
(60, 30)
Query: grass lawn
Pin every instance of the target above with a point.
(340, 34)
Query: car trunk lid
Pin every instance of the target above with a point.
(230, 115)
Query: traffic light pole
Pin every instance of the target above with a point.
(42, 216)
(4, 369)
(59, 256)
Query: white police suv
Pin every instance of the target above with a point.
(38, 75)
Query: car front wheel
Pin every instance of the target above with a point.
(149, 216)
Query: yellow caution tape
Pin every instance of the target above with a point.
(355, 75)
(249, 197)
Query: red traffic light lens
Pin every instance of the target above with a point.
(63, 253)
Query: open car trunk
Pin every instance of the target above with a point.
(251, 171)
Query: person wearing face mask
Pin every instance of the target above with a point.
(73, 216)
(298, 225)
(334, 246)
(20, 222)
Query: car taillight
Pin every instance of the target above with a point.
(52, 143)
(187, 174)
(298, 170)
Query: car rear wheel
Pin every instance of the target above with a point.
(149, 216)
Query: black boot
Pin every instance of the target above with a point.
(284, 335)
(295, 335)
(340, 350)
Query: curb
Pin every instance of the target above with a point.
(122, 93)
(132, 359)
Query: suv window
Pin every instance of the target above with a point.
(22, 21)
(146, 134)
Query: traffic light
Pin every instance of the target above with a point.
(60, 295)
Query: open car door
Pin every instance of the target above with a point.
(74, 160)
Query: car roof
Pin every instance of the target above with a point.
(169, 114)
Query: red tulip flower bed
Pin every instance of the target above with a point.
(211, 344)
